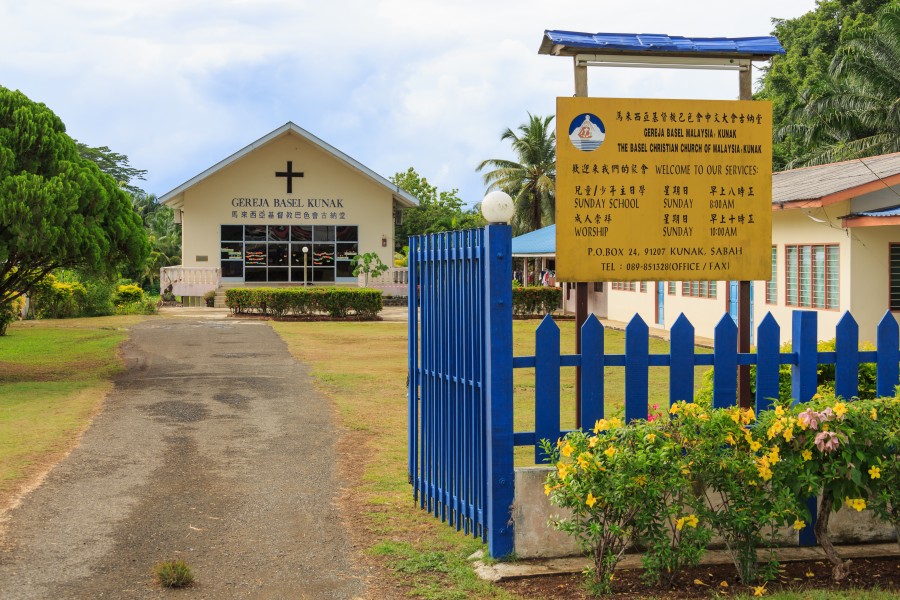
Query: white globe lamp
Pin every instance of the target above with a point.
(497, 207)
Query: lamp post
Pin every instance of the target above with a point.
(497, 207)
(305, 254)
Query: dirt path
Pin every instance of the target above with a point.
(214, 448)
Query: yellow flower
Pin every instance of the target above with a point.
(735, 415)
(680, 523)
(759, 590)
(788, 434)
(692, 521)
(773, 456)
(875, 473)
(591, 501)
(724, 584)
(609, 451)
(560, 442)
(567, 450)
(547, 489)
(806, 454)
(858, 503)
(873, 414)
(775, 429)
(779, 411)
(640, 479)
(562, 470)
(754, 446)
(650, 437)
(583, 461)
(747, 416)
(730, 439)
(799, 524)
(840, 409)
(674, 409)
(593, 442)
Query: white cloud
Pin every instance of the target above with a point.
(178, 84)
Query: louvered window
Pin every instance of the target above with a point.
(812, 276)
(895, 276)
(772, 284)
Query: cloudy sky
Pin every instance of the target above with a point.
(178, 85)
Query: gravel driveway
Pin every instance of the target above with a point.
(214, 448)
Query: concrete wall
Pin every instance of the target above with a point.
(535, 538)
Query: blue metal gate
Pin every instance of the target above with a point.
(460, 357)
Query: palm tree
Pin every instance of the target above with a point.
(531, 181)
(855, 112)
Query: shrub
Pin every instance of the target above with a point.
(61, 300)
(536, 300)
(335, 302)
(624, 484)
(867, 378)
(743, 482)
(147, 306)
(127, 294)
(847, 451)
(173, 574)
(9, 312)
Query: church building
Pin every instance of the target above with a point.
(288, 209)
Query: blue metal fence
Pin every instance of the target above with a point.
(461, 365)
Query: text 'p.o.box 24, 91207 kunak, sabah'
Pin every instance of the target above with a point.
(663, 189)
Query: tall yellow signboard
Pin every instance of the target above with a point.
(663, 189)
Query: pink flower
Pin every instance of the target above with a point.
(809, 418)
(826, 441)
(651, 418)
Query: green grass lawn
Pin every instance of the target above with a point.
(53, 377)
(362, 368)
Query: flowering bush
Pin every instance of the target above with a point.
(847, 451)
(621, 484)
(668, 484)
(743, 492)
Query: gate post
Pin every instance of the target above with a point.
(499, 388)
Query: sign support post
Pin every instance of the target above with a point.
(745, 400)
(581, 288)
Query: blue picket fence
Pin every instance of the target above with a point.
(461, 436)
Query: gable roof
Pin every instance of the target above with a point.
(400, 196)
(822, 185)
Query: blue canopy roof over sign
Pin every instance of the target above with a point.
(567, 43)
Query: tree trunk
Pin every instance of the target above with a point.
(841, 567)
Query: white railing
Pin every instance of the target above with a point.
(393, 282)
(189, 281)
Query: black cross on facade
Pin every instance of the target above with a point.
(290, 174)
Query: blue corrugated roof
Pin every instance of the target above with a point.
(662, 43)
(892, 211)
(539, 241)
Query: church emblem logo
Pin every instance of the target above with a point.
(586, 132)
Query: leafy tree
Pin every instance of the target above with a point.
(159, 220)
(810, 42)
(855, 111)
(56, 209)
(115, 165)
(437, 211)
(531, 181)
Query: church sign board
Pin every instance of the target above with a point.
(675, 190)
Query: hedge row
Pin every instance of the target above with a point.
(335, 302)
(537, 300)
